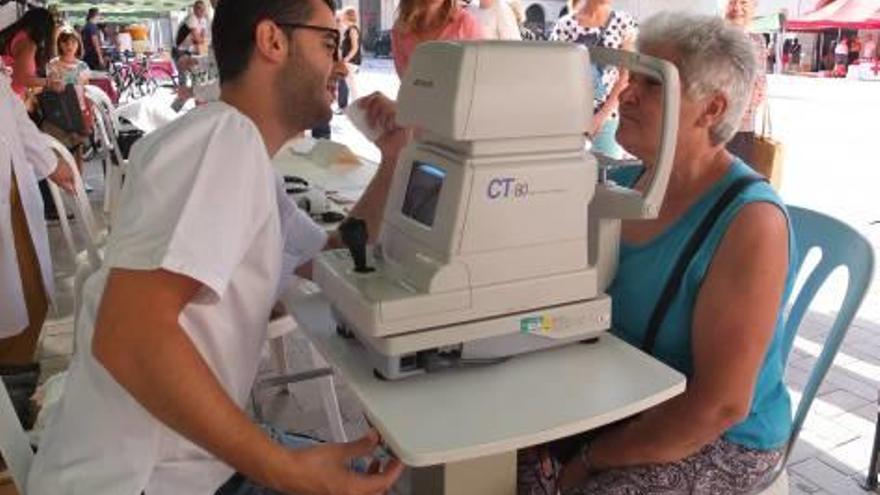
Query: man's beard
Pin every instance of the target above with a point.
(302, 102)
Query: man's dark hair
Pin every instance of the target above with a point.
(235, 22)
(93, 12)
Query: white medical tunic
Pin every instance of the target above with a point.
(25, 151)
(201, 200)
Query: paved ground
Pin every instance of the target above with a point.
(829, 167)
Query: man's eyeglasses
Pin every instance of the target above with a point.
(333, 32)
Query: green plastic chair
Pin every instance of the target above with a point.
(840, 245)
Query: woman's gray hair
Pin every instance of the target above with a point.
(715, 57)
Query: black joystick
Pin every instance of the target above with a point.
(354, 236)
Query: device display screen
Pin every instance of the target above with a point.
(423, 192)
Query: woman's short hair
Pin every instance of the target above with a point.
(714, 57)
(66, 35)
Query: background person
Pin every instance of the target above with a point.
(429, 20)
(93, 54)
(351, 54)
(841, 57)
(64, 70)
(497, 19)
(740, 14)
(869, 48)
(198, 38)
(26, 48)
(595, 23)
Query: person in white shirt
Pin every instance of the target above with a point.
(869, 48)
(497, 18)
(171, 327)
(26, 282)
(199, 24)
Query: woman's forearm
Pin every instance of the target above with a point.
(667, 433)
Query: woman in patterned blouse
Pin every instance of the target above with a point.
(595, 23)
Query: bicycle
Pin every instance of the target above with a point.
(135, 77)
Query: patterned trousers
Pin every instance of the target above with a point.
(719, 468)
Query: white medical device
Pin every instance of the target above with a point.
(499, 237)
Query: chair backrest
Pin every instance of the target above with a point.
(14, 443)
(82, 208)
(98, 95)
(840, 246)
(107, 127)
(106, 121)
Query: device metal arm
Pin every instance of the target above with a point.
(614, 201)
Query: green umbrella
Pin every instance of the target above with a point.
(122, 10)
(767, 24)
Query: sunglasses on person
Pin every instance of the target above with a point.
(333, 32)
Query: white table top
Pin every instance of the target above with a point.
(469, 413)
(342, 180)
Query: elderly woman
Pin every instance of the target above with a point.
(724, 327)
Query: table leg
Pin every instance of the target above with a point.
(493, 475)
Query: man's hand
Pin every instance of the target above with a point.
(324, 470)
(63, 177)
(381, 114)
(381, 111)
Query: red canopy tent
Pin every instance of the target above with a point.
(839, 14)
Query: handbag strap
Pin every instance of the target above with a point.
(696, 240)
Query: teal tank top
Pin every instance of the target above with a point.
(642, 274)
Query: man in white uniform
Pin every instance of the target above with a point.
(26, 283)
(172, 326)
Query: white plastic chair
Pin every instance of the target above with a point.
(89, 260)
(15, 446)
(280, 328)
(94, 235)
(107, 126)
